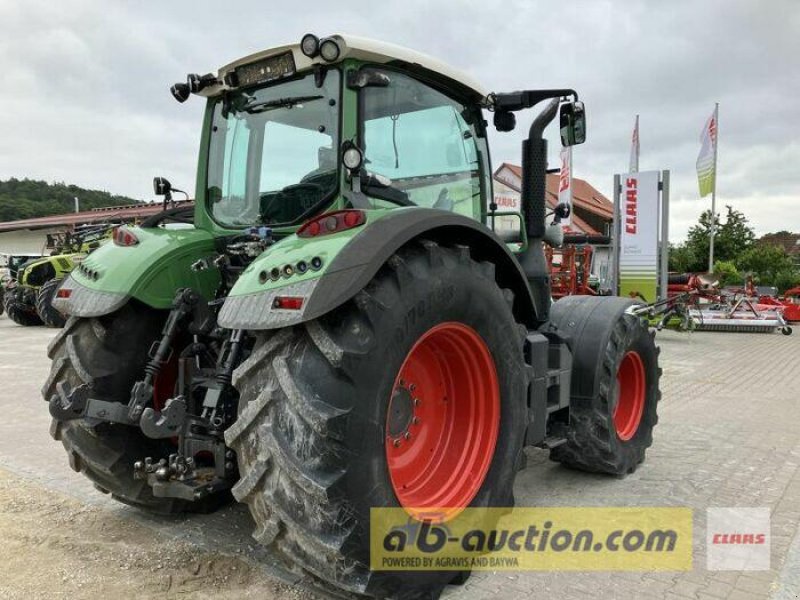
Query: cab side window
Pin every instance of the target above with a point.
(419, 139)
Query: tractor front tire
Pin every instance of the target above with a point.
(615, 385)
(19, 311)
(108, 354)
(44, 304)
(343, 414)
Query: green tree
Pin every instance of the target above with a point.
(683, 260)
(785, 280)
(734, 236)
(27, 198)
(770, 265)
(727, 273)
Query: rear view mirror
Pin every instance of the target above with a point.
(561, 212)
(572, 118)
(161, 187)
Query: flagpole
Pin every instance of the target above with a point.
(715, 141)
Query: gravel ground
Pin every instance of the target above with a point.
(54, 546)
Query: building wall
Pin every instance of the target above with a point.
(24, 241)
(507, 199)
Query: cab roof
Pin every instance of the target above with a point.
(367, 50)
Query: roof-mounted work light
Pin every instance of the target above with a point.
(329, 50)
(180, 91)
(310, 45)
(194, 84)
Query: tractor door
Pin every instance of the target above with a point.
(429, 145)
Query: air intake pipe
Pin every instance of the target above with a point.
(534, 172)
(534, 188)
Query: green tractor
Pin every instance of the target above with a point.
(28, 298)
(9, 267)
(340, 329)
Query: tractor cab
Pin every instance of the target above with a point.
(281, 126)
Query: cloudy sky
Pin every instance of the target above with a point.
(86, 98)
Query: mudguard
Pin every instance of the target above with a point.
(350, 259)
(150, 271)
(586, 323)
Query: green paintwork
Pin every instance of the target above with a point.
(155, 268)
(290, 251)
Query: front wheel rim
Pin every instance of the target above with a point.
(442, 421)
(631, 391)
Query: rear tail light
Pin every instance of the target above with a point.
(124, 237)
(64, 293)
(288, 302)
(332, 222)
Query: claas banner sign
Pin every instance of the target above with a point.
(638, 235)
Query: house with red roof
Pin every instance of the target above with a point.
(592, 212)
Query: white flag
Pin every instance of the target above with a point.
(634, 162)
(706, 160)
(565, 182)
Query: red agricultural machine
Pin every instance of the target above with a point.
(580, 267)
(790, 303)
(699, 303)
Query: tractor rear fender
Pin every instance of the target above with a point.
(150, 271)
(586, 323)
(359, 260)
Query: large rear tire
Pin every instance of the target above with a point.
(44, 304)
(323, 405)
(18, 310)
(615, 385)
(108, 354)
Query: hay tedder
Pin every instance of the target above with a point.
(698, 302)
